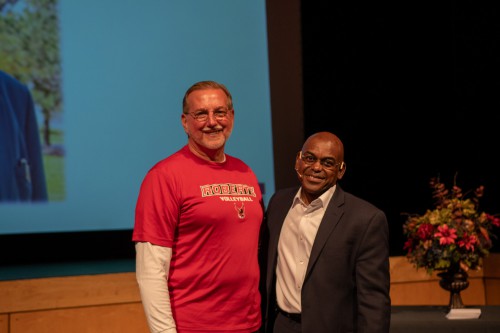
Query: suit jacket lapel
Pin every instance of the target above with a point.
(332, 216)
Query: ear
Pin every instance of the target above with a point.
(341, 172)
(184, 122)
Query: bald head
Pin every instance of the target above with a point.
(327, 139)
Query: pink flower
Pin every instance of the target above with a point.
(494, 220)
(446, 235)
(468, 242)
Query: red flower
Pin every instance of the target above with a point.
(494, 220)
(468, 242)
(408, 245)
(446, 235)
(425, 231)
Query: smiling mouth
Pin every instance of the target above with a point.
(213, 132)
(312, 177)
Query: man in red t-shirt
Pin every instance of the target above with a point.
(197, 223)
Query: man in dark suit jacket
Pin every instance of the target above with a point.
(22, 176)
(327, 256)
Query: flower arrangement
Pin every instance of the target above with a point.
(453, 235)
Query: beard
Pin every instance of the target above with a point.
(212, 139)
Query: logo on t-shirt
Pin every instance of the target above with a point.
(228, 192)
(227, 189)
(240, 210)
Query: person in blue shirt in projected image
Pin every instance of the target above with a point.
(22, 176)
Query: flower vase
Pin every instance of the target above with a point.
(454, 280)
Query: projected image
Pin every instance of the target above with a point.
(107, 83)
(31, 131)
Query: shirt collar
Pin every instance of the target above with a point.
(322, 200)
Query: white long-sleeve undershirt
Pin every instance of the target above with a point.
(152, 266)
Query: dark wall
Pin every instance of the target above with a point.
(412, 90)
(285, 73)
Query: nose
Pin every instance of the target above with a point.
(211, 121)
(317, 165)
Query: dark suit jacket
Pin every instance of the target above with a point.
(347, 282)
(22, 175)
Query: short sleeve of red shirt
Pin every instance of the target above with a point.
(157, 208)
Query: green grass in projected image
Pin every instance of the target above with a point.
(53, 162)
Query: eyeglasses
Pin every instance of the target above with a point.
(202, 116)
(327, 163)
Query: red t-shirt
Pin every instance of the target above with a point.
(210, 215)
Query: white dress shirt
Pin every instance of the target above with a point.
(294, 248)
